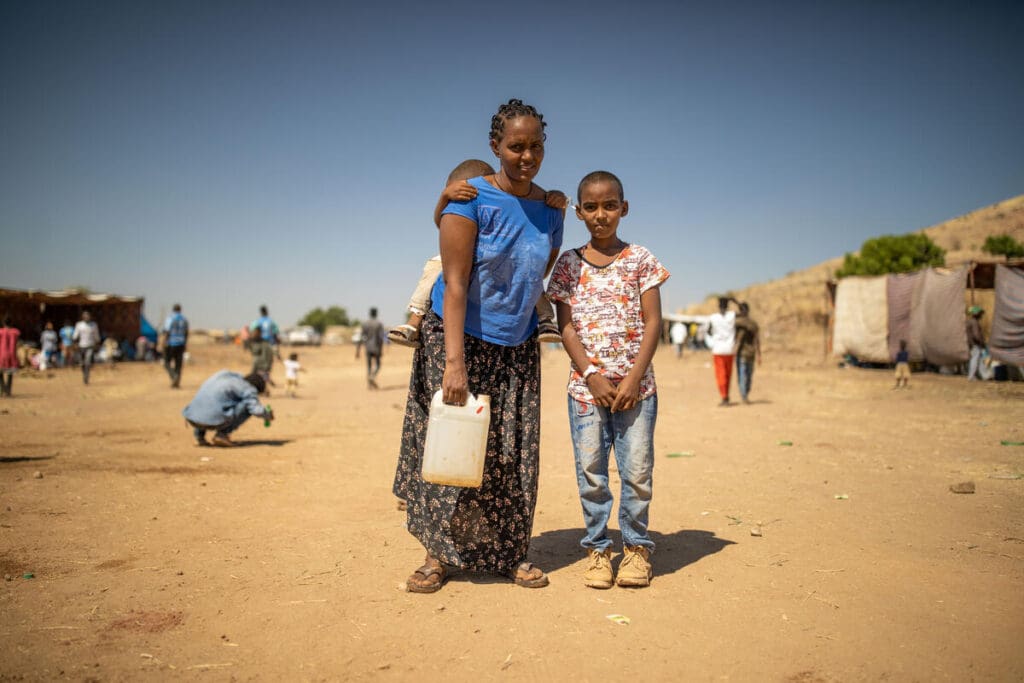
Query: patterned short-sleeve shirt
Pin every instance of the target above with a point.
(606, 312)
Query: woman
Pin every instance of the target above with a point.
(480, 336)
(8, 356)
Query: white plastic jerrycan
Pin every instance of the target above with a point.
(456, 441)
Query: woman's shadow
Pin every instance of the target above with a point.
(557, 549)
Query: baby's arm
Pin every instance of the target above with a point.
(556, 199)
(629, 387)
(457, 191)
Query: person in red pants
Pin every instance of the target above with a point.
(722, 336)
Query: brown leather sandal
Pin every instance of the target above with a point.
(422, 580)
(529, 575)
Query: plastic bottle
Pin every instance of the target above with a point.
(266, 415)
(456, 441)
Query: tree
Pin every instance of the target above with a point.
(1003, 245)
(893, 254)
(319, 319)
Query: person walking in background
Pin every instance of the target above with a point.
(613, 400)
(223, 403)
(87, 338)
(262, 356)
(373, 344)
(8, 356)
(267, 327)
(722, 335)
(175, 332)
(976, 342)
(748, 350)
(677, 335)
(49, 342)
(67, 345)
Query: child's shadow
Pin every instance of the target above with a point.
(558, 549)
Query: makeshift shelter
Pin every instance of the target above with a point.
(870, 315)
(29, 310)
(861, 318)
(1006, 341)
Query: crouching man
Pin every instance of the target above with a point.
(223, 403)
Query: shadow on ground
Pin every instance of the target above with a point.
(554, 550)
(262, 442)
(24, 458)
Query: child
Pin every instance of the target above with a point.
(609, 313)
(292, 368)
(902, 366)
(458, 190)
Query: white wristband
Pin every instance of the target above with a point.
(591, 369)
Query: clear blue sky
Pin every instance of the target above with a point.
(227, 155)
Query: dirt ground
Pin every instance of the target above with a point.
(285, 559)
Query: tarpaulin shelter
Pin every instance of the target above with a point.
(927, 309)
(29, 310)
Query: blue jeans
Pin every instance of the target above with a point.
(199, 431)
(744, 373)
(595, 432)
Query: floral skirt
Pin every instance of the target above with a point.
(488, 528)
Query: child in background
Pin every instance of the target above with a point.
(67, 344)
(458, 190)
(292, 368)
(50, 343)
(902, 366)
(609, 313)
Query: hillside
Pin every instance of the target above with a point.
(791, 310)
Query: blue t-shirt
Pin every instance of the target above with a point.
(176, 328)
(67, 334)
(514, 241)
(267, 327)
(902, 356)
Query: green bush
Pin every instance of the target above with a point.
(893, 254)
(1003, 245)
(319, 319)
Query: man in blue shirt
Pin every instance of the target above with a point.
(175, 337)
(267, 327)
(223, 403)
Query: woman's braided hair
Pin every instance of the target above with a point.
(510, 110)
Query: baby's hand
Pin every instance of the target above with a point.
(556, 199)
(459, 191)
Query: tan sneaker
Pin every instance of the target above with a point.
(599, 569)
(635, 569)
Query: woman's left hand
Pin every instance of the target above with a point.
(455, 384)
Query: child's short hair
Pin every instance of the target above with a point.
(903, 344)
(293, 356)
(599, 177)
(470, 168)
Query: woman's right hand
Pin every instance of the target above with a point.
(455, 384)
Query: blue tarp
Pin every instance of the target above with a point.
(147, 331)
